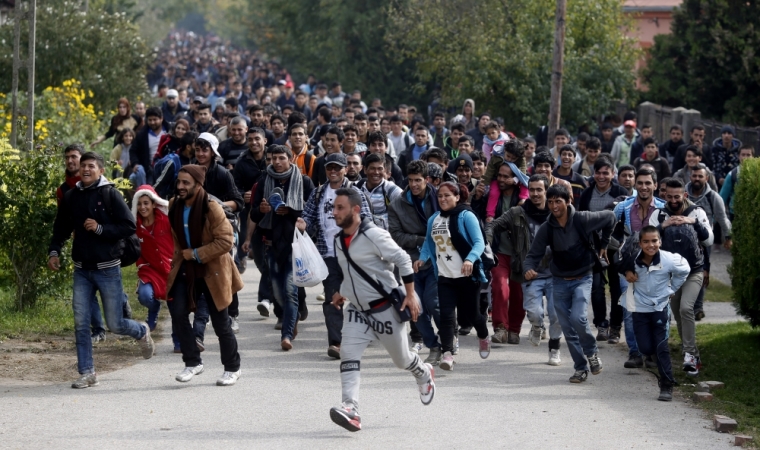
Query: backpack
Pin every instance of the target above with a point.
(682, 239)
(129, 248)
(232, 218)
(168, 168)
(487, 259)
(628, 251)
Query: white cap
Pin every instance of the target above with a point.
(172, 93)
(211, 139)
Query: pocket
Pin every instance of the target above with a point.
(111, 272)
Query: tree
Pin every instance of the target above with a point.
(499, 53)
(337, 40)
(103, 51)
(709, 62)
(744, 271)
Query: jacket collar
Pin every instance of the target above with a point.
(656, 262)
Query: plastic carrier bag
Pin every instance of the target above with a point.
(309, 269)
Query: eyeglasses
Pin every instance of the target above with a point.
(333, 168)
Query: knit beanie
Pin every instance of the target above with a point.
(197, 172)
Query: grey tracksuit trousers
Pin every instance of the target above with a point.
(359, 329)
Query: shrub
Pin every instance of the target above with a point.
(28, 182)
(744, 270)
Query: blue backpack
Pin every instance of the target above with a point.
(167, 170)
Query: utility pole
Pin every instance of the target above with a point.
(555, 104)
(30, 15)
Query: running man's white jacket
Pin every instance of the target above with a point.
(372, 249)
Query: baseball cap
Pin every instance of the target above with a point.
(336, 158)
(198, 99)
(282, 82)
(211, 139)
(463, 160)
(630, 123)
(172, 93)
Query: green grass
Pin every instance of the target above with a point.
(729, 354)
(55, 316)
(718, 292)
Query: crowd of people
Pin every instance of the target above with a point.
(448, 223)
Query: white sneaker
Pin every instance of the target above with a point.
(265, 308)
(447, 361)
(321, 297)
(416, 347)
(147, 347)
(188, 373)
(427, 390)
(554, 359)
(234, 324)
(228, 378)
(535, 335)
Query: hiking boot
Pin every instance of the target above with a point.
(333, 351)
(596, 364)
(188, 373)
(455, 350)
(234, 325)
(535, 335)
(602, 333)
(691, 364)
(499, 336)
(614, 337)
(146, 343)
(265, 308)
(513, 338)
(650, 362)
(98, 337)
(416, 347)
(286, 344)
(434, 357)
(634, 362)
(199, 344)
(464, 331)
(579, 376)
(699, 315)
(346, 417)
(228, 378)
(484, 347)
(554, 359)
(85, 380)
(666, 393)
(278, 325)
(427, 390)
(447, 361)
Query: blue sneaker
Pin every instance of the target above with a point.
(276, 198)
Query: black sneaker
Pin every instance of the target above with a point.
(579, 376)
(464, 331)
(666, 393)
(634, 362)
(596, 364)
(650, 362)
(602, 333)
(614, 336)
(346, 417)
(699, 315)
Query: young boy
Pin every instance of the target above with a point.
(654, 275)
(511, 152)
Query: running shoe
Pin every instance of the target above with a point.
(85, 380)
(346, 417)
(447, 361)
(228, 378)
(554, 358)
(596, 364)
(484, 347)
(535, 335)
(188, 373)
(416, 347)
(427, 389)
(579, 376)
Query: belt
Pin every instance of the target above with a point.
(574, 278)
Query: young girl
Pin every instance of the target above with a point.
(153, 267)
(511, 151)
(120, 152)
(454, 244)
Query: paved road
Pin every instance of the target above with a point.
(511, 400)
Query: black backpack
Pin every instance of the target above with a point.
(487, 259)
(129, 248)
(682, 239)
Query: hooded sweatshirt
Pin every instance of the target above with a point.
(713, 205)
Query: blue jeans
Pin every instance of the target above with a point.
(146, 298)
(138, 177)
(96, 319)
(285, 292)
(630, 337)
(426, 287)
(571, 299)
(534, 292)
(108, 283)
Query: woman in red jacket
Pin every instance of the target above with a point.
(156, 247)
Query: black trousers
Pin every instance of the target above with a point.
(459, 296)
(599, 300)
(180, 313)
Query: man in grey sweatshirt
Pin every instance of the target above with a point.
(363, 247)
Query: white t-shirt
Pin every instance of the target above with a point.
(153, 141)
(448, 259)
(327, 219)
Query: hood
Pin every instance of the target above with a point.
(146, 189)
(473, 105)
(102, 182)
(735, 143)
(694, 198)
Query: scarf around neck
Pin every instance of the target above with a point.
(455, 211)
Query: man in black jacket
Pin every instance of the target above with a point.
(230, 149)
(669, 148)
(99, 219)
(146, 142)
(220, 184)
(600, 194)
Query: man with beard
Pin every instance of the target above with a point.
(569, 235)
(520, 225)
(685, 230)
(354, 167)
(362, 245)
(701, 194)
(203, 238)
(319, 220)
(284, 183)
(145, 145)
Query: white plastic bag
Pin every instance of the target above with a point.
(309, 269)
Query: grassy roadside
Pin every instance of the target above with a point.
(729, 354)
(55, 316)
(718, 292)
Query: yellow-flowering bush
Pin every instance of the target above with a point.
(62, 115)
